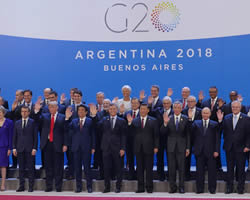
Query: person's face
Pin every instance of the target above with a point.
(72, 94)
(19, 96)
(77, 98)
(25, 113)
(53, 109)
(191, 102)
(82, 112)
(213, 93)
(185, 93)
(206, 114)
(46, 94)
(233, 96)
(126, 92)
(177, 109)
(106, 105)
(135, 104)
(1, 115)
(166, 104)
(236, 107)
(143, 111)
(27, 97)
(154, 92)
(113, 110)
(100, 98)
(52, 97)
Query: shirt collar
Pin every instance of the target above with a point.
(238, 115)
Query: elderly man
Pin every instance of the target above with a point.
(236, 132)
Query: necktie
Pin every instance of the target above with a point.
(205, 127)
(52, 122)
(112, 123)
(99, 108)
(81, 124)
(134, 113)
(212, 104)
(24, 123)
(235, 120)
(177, 123)
(142, 123)
(184, 103)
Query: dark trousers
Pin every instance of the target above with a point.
(14, 160)
(144, 162)
(70, 158)
(26, 160)
(54, 163)
(82, 159)
(130, 156)
(237, 159)
(201, 161)
(112, 158)
(160, 155)
(98, 162)
(176, 160)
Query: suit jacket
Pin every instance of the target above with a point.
(227, 109)
(61, 109)
(177, 139)
(158, 114)
(75, 114)
(16, 114)
(197, 115)
(6, 104)
(208, 142)
(84, 139)
(60, 136)
(207, 103)
(146, 138)
(24, 140)
(239, 138)
(113, 139)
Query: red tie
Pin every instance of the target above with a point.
(99, 108)
(184, 104)
(81, 124)
(52, 122)
(212, 104)
(142, 123)
(134, 114)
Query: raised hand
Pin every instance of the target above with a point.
(62, 98)
(166, 118)
(68, 112)
(40, 100)
(220, 115)
(115, 100)
(150, 100)
(142, 95)
(170, 92)
(14, 105)
(240, 98)
(122, 108)
(129, 118)
(93, 109)
(38, 106)
(190, 113)
(201, 96)
(221, 102)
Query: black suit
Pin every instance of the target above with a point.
(227, 109)
(235, 140)
(178, 141)
(24, 141)
(206, 142)
(197, 116)
(113, 140)
(53, 154)
(6, 104)
(146, 139)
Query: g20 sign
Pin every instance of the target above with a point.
(164, 17)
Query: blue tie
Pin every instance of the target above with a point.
(177, 123)
(112, 123)
(235, 121)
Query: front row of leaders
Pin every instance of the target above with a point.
(55, 129)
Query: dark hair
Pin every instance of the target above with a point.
(82, 106)
(144, 104)
(74, 89)
(156, 86)
(213, 87)
(25, 107)
(29, 91)
(78, 92)
(53, 92)
(135, 99)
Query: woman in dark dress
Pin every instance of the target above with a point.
(6, 134)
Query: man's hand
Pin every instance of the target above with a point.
(216, 154)
(201, 96)
(187, 152)
(150, 100)
(122, 152)
(115, 100)
(92, 151)
(142, 95)
(62, 98)
(155, 150)
(122, 108)
(220, 115)
(221, 102)
(245, 150)
(14, 105)
(14, 152)
(190, 113)
(33, 153)
(170, 92)
(129, 118)
(8, 152)
(65, 148)
(166, 118)
(68, 112)
(38, 106)
(93, 109)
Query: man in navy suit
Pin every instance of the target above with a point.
(113, 144)
(83, 145)
(236, 132)
(53, 142)
(25, 147)
(206, 138)
(53, 96)
(193, 113)
(46, 93)
(185, 92)
(158, 114)
(77, 102)
(177, 129)
(146, 143)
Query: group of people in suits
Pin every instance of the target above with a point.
(139, 128)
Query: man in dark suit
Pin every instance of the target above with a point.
(77, 102)
(99, 101)
(68, 102)
(46, 93)
(146, 143)
(25, 147)
(53, 96)
(158, 114)
(185, 92)
(206, 148)
(53, 142)
(177, 129)
(193, 113)
(113, 144)
(83, 145)
(236, 132)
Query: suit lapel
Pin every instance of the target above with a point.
(239, 121)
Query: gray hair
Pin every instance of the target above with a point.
(191, 97)
(167, 98)
(108, 100)
(186, 88)
(177, 103)
(236, 101)
(53, 103)
(100, 92)
(3, 110)
(206, 108)
(126, 87)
